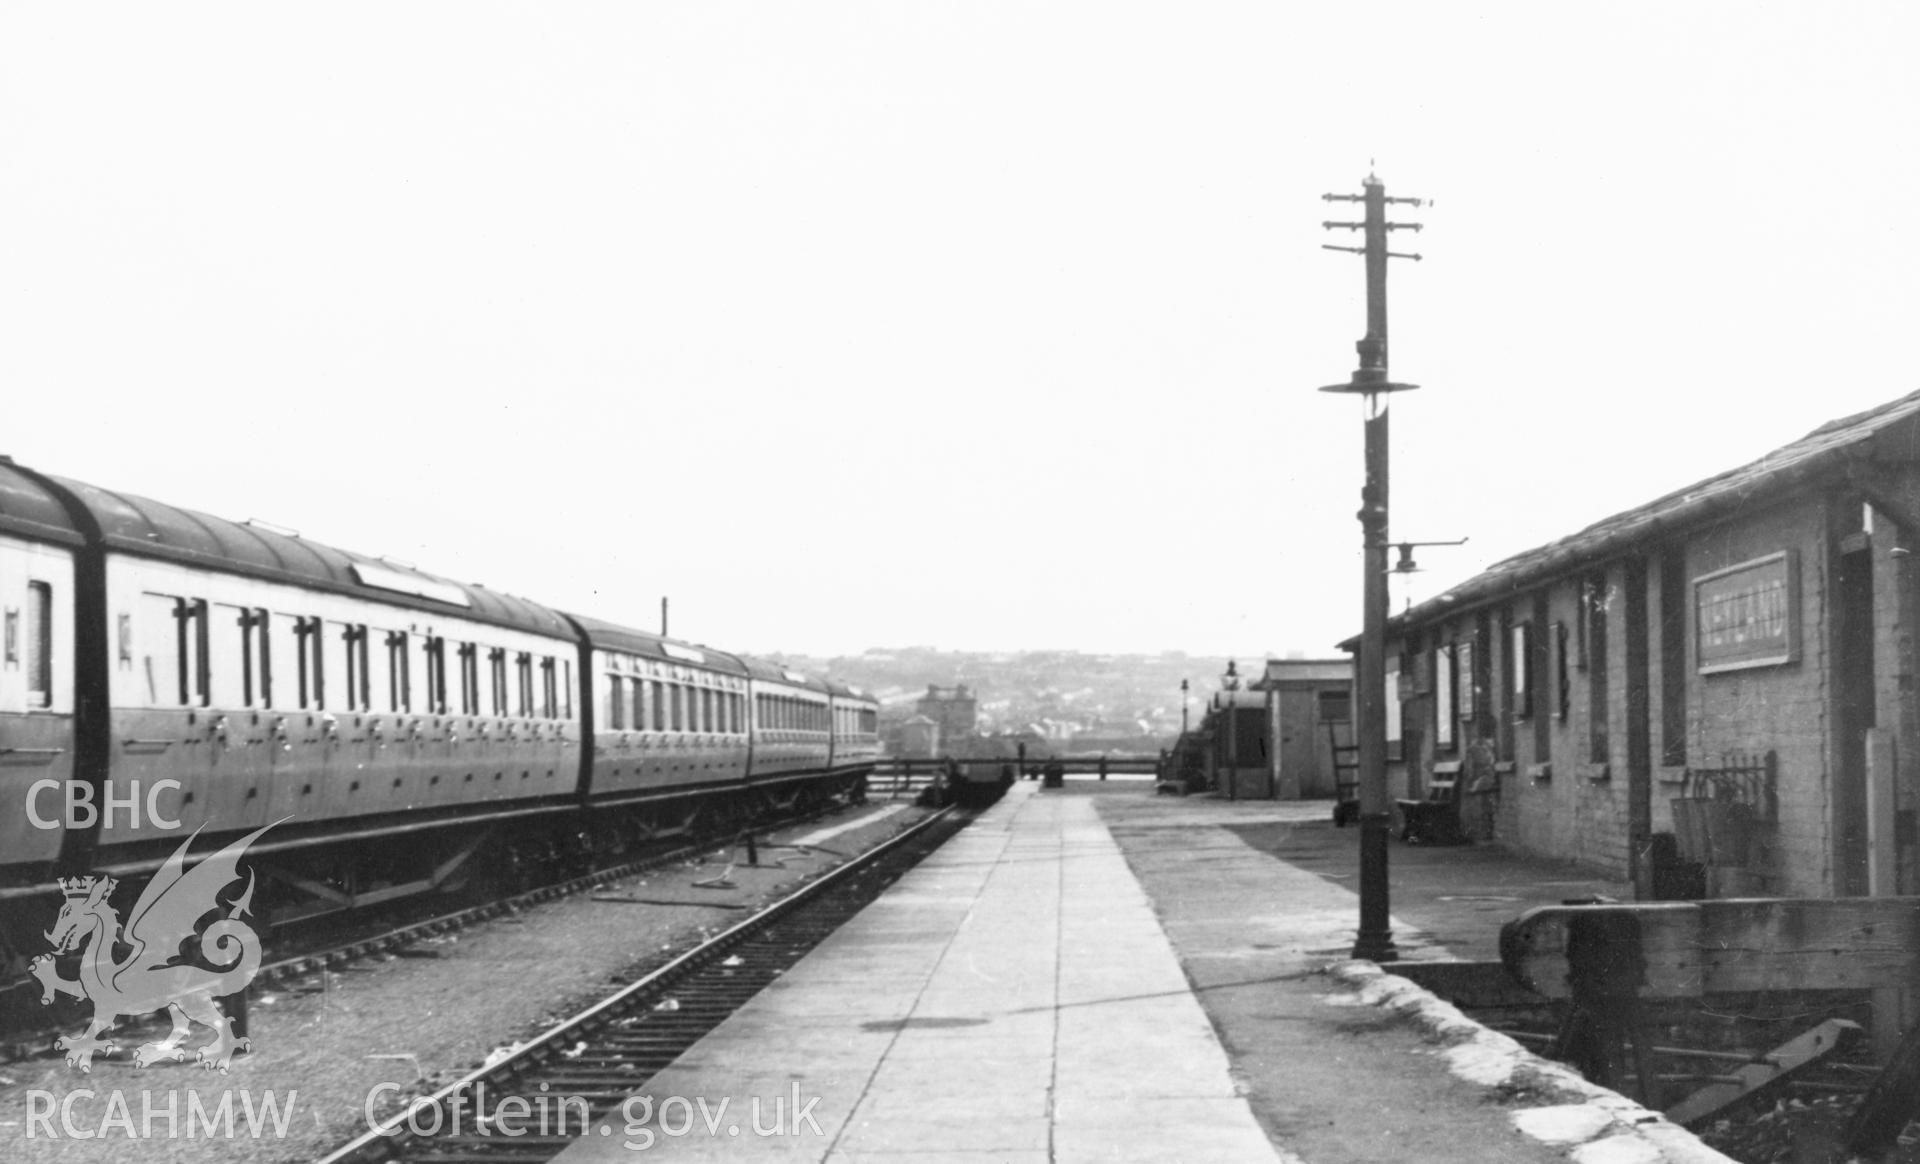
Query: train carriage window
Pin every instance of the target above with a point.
(159, 629)
(497, 676)
(399, 673)
(640, 705)
(229, 657)
(353, 654)
(435, 657)
(307, 638)
(616, 703)
(566, 689)
(523, 682)
(676, 704)
(255, 656)
(39, 644)
(469, 679)
(549, 701)
(706, 710)
(280, 637)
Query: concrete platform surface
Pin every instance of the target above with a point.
(1015, 998)
(1012, 998)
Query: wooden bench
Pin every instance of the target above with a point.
(1435, 818)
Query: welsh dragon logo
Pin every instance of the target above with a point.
(157, 972)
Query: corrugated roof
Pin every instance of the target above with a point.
(1888, 430)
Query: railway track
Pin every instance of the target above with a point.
(33, 1040)
(608, 1052)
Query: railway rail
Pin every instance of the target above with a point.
(607, 1052)
(33, 1039)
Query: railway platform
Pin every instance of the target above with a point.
(1050, 988)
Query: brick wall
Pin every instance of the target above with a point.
(1577, 807)
(1783, 708)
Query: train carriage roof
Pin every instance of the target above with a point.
(152, 529)
(30, 510)
(771, 672)
(608, 636)
(848, 691)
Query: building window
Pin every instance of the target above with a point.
(1539, 669)
(1444, 690)
(1519, 668)
(1390, 705)
(1597, 687)
(1562, 673)
(1466, 681)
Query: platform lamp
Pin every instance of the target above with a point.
(1371, 382)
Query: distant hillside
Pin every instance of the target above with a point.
(1108, 694)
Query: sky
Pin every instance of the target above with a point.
(977, 325)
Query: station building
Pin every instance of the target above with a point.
(1283, 737)
(1720, 683)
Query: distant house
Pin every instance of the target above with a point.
(954, 708)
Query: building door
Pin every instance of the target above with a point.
(1854, 717)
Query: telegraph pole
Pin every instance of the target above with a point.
(1370, 380)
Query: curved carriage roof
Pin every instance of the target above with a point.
(30, 510)
(779, 673)
(152, 529)
(608, 636)
(848, 691)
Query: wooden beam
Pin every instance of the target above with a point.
(1804, 1048)
(1714, 947)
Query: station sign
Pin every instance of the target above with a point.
(1748, 615)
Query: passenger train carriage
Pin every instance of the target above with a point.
(166, 671)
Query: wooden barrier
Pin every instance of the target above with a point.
(1711, 947)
